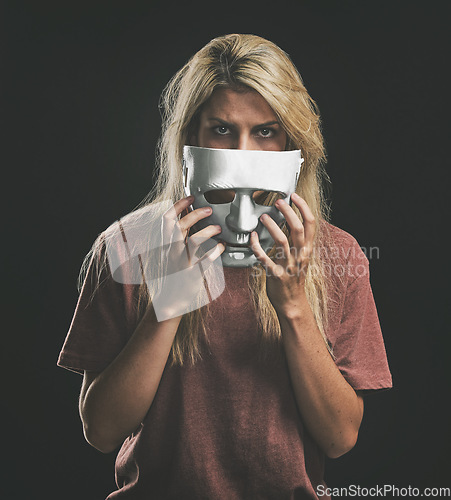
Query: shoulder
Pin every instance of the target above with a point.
(139, 218)
(118, 248)
(339, 246)
(136, 229)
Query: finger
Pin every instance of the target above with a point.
(276, 233)
(308, 218)
(204, 234)
(211, 256)
(169, 219)
(294, 223)
(199, 243)
(259, 253)
(186, 222)
(178, 230)
(181, 205)
(185, 253)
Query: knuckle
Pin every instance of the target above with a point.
(305, 261)
(279, 271)
(281, 239)
(292, 270)
(307, 250)
(297, 229)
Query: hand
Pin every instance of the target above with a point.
(184, 260)
(180, 251)
(287, 270)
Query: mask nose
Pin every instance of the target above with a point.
(242, 217)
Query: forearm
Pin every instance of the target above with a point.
(114, 404)
(330, 408)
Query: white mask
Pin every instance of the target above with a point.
(243, 173)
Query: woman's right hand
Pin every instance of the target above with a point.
(114, 402)
(184, 260)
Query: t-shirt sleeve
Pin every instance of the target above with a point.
(357, 342)
(103, 321)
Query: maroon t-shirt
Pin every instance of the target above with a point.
(228, 427)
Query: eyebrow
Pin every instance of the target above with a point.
(231, 125)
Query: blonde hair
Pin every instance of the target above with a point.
(237, 61)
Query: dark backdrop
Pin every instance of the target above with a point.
(80, 89)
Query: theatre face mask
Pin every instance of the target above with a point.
(240, 186)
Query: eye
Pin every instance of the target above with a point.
(266, 132)
(221, 130)
(220, 196)
(267, 198)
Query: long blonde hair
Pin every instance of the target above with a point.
(236, 61)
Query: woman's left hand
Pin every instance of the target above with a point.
(287, 270)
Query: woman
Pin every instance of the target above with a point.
(242, 398)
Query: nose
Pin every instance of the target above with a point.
(242, 217)
(244, 142)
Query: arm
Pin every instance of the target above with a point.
(114, 402)
(331, 409)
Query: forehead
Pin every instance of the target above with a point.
(237, 106)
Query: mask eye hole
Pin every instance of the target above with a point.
(267, 198)
(220, 196)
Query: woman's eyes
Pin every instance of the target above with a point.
(221, 130)
(265, 133)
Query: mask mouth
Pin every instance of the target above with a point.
(240, 240)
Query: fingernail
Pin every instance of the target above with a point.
(207, 210)
(263, 216)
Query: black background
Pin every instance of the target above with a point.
(80, 89)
